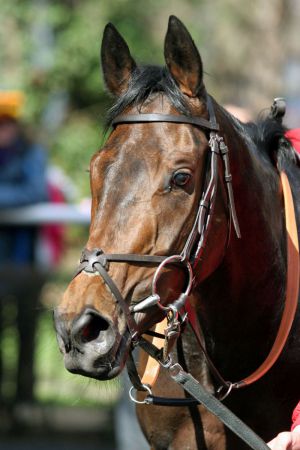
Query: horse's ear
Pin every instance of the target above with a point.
(117, 62)
(183, 59)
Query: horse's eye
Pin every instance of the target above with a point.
(181, 178)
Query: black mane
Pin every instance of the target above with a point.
(267, 134)
(269, 137)
(147, 80)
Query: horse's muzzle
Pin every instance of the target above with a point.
(90, 344)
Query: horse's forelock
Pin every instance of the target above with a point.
(145, 81)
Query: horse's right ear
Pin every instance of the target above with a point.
(183, 59)
(117, 62)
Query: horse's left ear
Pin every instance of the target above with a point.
(117, 62)
(183, 59)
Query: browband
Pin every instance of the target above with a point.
(155, 117)
(140, 118)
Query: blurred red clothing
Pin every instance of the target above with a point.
(51, 238)
(296, 416)
(294, 137)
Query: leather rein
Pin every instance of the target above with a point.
(180, 312)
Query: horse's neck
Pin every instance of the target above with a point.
(240, 300)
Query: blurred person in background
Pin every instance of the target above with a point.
(289, 440)
(22, 183)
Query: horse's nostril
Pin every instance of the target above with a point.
(62, 332)
(88, 326)
(92, 330)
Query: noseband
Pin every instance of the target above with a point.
(96, 261)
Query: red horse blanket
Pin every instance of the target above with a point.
(294, 137)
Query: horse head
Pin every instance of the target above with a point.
(162, 202)
(147, 183)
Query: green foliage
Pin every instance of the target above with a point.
(74, 146)
(50, 48)
(54, 48)
(8, 348)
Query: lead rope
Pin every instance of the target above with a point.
(199, 396)
(213, 405)
(193, 387)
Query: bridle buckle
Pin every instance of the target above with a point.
(93, 257)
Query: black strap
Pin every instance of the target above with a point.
(211, 112)
(149, 348)
(117, 294)
(163, 401)
(154, 334)
(210, 124)
(200, 396)
(195, 327)
(132, 257)
(133, 373)
(194, 388)
(90, 257)
(228, 179)
(141, 118)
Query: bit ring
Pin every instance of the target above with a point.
(170, 259)
(132, 397)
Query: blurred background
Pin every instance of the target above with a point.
(49, 54)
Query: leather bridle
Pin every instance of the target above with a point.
(96, 261)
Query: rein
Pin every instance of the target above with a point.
(180, 311)
(292, 287)
(291, 301)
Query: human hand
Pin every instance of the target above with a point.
(288, 440)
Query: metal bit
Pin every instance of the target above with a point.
(152, 300)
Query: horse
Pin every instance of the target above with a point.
(148, 184)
